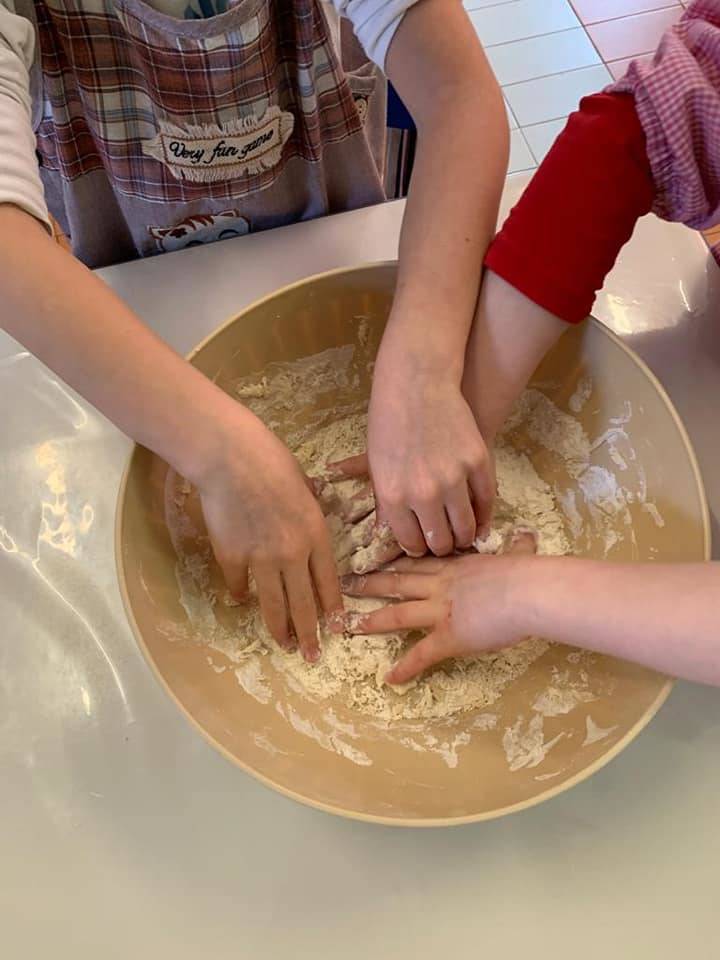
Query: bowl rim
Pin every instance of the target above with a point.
(547, 794)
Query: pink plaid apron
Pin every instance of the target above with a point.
(155, 133)
(677, 97)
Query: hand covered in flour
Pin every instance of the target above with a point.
(369, 543)
(466, 603)
(433, 476)
(262, 516)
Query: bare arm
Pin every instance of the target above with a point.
(509, 338)
(663, 616)
(440, 70)
(428, 461)
(75, 324)
(258, 510)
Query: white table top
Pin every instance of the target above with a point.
(122, 833)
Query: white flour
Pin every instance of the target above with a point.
(313, 406)
(582, 394)
(525, 744)
(352, 668)
(594, 733)
(595, 501)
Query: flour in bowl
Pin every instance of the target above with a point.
(352, 669)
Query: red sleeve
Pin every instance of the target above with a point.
(581, 207)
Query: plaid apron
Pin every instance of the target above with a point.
(155, 133)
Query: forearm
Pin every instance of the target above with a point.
(554, 251)
(509, 338)
(664, 616)
(76, 325)
(457, 180)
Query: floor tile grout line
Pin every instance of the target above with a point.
(541, 123)
(489, 6)
(530, 149)
(512, 112)
(530, 36)
(561, 73)
(587, 34)
(625, 16)
(633, 56)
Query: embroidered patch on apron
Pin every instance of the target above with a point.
(361, 105)
(198, 229)
(205, 153)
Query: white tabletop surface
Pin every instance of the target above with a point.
(124, 834)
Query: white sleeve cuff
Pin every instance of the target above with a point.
(374, 23)
(20, 182)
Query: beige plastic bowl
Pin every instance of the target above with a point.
(465, 774)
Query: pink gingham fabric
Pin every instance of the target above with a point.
(677, 97)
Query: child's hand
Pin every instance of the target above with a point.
(466, 604)
(373, 543)
(262, 516)
(432, 473)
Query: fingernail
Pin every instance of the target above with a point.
(413, 555)
(390, 677)
(312, 655)
(352, 583)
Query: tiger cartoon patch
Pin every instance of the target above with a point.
(198, 229)
(361, 105)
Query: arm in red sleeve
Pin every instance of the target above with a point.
(581, 207)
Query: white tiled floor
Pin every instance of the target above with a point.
(591, 11)
(628, 36)
(542, 56)
(519, 19)
(521, 157)
(553, 97)
(548, 54)
(541, 136)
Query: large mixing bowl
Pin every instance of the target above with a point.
(480, 764)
